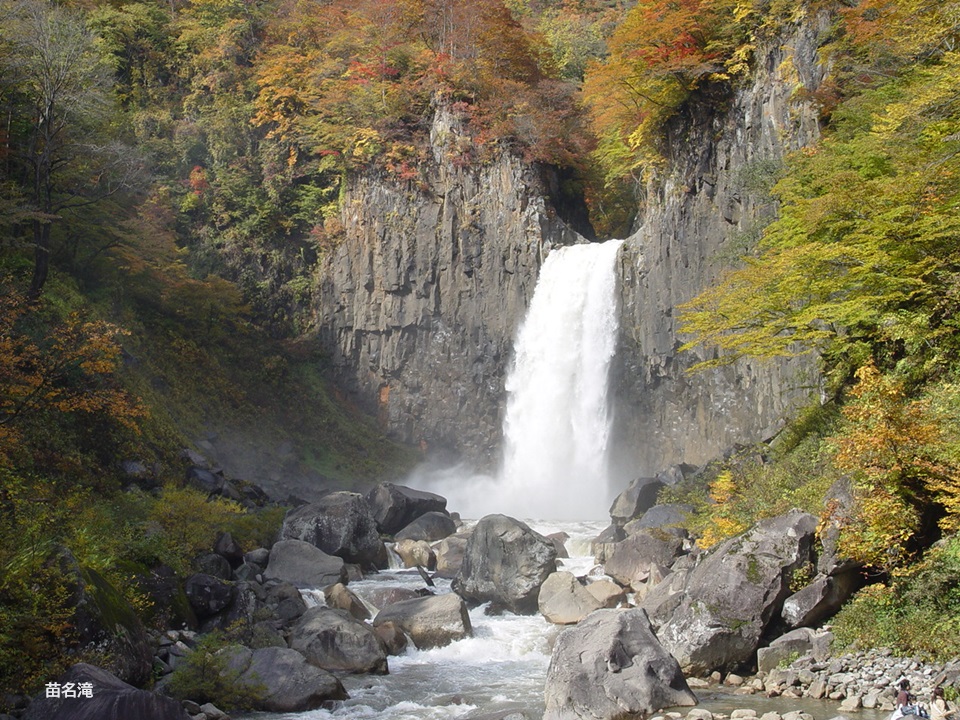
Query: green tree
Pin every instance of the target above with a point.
(58, 87)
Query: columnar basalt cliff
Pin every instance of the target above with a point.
(423, 297)
(711, 197)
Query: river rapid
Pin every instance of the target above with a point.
(501, 669)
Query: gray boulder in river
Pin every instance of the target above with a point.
(431, 621)
(611, 666)
(335, 641)
(340, 524)
(396, 506)
(505, 562)
(282, 680)
(717, 619)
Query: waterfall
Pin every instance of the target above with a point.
(557, 422)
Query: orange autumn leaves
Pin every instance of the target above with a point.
(68, 368)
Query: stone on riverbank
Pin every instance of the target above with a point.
(609, 666)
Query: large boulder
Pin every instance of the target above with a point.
(110, 699)
(729, 599)
(340, 524)
(431, 621)
(603, 544)
(563, 600)
(283, 680)
(208, 594)
(792, 645)
(632, 560)
(820, 599)
(396, 506)
(105, 623)
(505, 562)
(430, 526)
(333, 640)
(304, 565)
(666, 516)
(611, 666)
(640, 496)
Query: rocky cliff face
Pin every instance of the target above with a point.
(709, 200)
(422, 299)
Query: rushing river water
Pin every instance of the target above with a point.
(501, 668)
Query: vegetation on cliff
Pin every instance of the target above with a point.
(171, 172)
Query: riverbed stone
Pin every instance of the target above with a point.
(607, 593)
(631, 561)
(563, 600)
(334, 641)
(304, 565)
(505, 562)
(611, 665)
(416, 553)
(640, 496)
(282, 680)
(431, 526)
(449, 553)
(340, 597)
(432, 621)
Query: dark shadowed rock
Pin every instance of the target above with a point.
(640, 496)
(396, 506)
(112, 699)
(303, 565)
(208, 595)
(204, 480)
(284, 680)
(505, 562)
(563, 600)
(730, 598)
(632, 560)
(212, 564)
(105, 623)
(609, 667)
(334, 641)
(430, 526)
(340, 524)
(432, 621)
(602, 545)
(229, 549)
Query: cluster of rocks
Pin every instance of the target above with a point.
(660, 612)
(866, 679)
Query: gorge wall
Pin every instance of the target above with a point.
(700, 210)
(421, 301)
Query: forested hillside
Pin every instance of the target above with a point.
(171, 173)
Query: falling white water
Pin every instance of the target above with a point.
(557, 423)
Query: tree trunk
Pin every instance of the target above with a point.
(41, 258)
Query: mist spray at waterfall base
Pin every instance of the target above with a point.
(557, 423)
